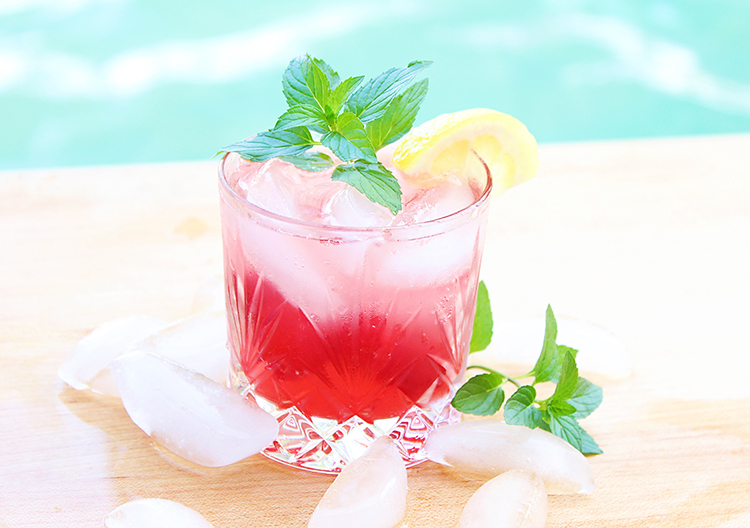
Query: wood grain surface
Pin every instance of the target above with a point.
(649, 239)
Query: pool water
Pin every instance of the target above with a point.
(87, 82)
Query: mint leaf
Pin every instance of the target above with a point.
(398, 117)
(481, 334)
(520, 409)
(568, 381)
(302, 115)
(342, 92)
(481, 395)
(305, 83)
(588, 444)
(549, 364)
(293, 83)
(330, 73)
(586, 398)
(373, 180)
(310, 161)
(566, 428)
(370, 100)
(561, 408)
(349, 140)
(272, 144)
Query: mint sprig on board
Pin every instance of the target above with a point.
(351, 118)
(574, 397)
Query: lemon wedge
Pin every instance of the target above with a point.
(448, 146)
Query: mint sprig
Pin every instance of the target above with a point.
(351, 118)
(574, 397)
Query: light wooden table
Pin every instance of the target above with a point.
(649, 239)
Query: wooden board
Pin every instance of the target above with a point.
(649, 239)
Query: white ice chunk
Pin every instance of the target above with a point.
(273, 186)
(439, 201)
(515, 499)
(486, 448)
(209, 297)
(191, 415)
(350, 208)
(369, 493)
(97, 350)
(428, 259)
(198, 342)
(155, 513)
(516, 344)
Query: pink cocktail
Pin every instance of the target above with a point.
(345, 322)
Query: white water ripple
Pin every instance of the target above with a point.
(24, 66)
(634, 55)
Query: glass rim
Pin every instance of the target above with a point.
(466, 211)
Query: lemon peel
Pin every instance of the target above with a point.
(453, 145)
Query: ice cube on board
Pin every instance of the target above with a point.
(96, 350)
(155, 513)
(368, 493)
(191, 415)
(198, 342)
(515, 499)
(486, 448)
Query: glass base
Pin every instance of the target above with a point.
(327, 446)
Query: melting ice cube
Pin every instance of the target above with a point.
(369, 493)
(486, 448)
(270, 185)
(191, 415)
(96, 351)
(155, 513)
(198, 342)
(515, 499)
(439, 201)
(350, 208)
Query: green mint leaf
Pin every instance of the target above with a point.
(567, 428)
(568, 380)
(272, 144)
(586, 398)
(520, 408)
(310, 161)
(373, 180)
(349, 140)
(305, 83)
(342, 92)
(481, 395)
(589, 445)
(371, 99)
(481, 334)
(330, 73)
(398, 117)
(302, 115)
(561, 408)
(549, 364)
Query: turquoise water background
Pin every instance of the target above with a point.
(86, 82)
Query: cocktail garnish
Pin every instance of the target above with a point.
(574, 397)
(352, 119)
